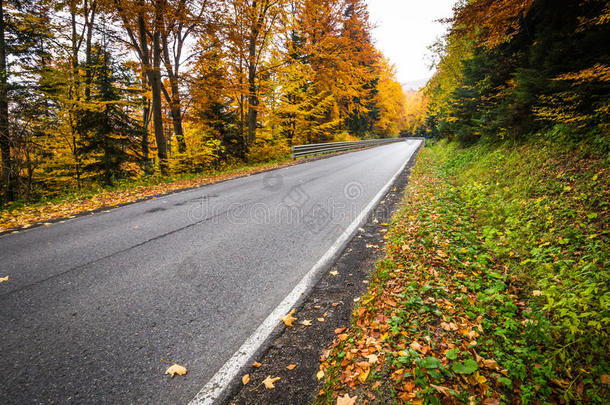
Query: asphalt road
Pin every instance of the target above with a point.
(94, 303)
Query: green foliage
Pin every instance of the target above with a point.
(469, 366)
(108, 132)
(541, 209)
(553, 70)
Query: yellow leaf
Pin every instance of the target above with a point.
(346, 400)
(256, 364)
(289, 319)
(176, 369)
(366, 301)
(364, 375)
(291, 366)
(306, 322)
(269, 382)
(3, 279)
(320, 319)
(334, 273)
(245, 379)
(320, 374)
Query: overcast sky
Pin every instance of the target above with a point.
(405, 29)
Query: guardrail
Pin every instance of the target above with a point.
(319, 148)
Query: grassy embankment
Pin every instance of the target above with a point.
(495, 286)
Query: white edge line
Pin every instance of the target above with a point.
(216, 386)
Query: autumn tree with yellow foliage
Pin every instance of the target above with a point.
(201, 83)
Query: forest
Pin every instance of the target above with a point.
(510, 69)
(96, 92)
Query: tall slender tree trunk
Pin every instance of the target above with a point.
(5, 140)
(147, 73)
(155, 84)
(176, 113)
(89, 21)
(252, 96)
(145, 121)
(73, 94)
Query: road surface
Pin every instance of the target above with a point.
(94, 303)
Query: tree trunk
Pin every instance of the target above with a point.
(252, 97)
(89, 21)
(145, 83)
(176, 112)
(174, 101)
(145, 121)
(5, 140)
(155, 84)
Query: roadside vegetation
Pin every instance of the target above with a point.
(495, 286)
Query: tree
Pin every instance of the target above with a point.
(250, 26)
(110, 133)
(142, 21)
(5, 137)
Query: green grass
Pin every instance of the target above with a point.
(543, 210)
(507, 240)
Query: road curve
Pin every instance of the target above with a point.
(94, 303)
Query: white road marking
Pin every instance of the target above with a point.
(218, 384)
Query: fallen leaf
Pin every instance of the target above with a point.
(306, 322)
(364, 375)
(536, 293)
(289, 319)
(605, 378)
(320, 374)
(490, 363)
(245, 379)
(490, 401)
(3, 279)
(176, 369)
(269, 382)
(320, 319)
(334, 273)
(346, 400)
(339, 330)
(256, 364)
(443, 390)
(291, 366)
(415, 346)
(334, 304)
(372, 358)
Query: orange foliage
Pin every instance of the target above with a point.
(496, 21)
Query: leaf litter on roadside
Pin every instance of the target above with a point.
(289, 319)
(421, 330)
